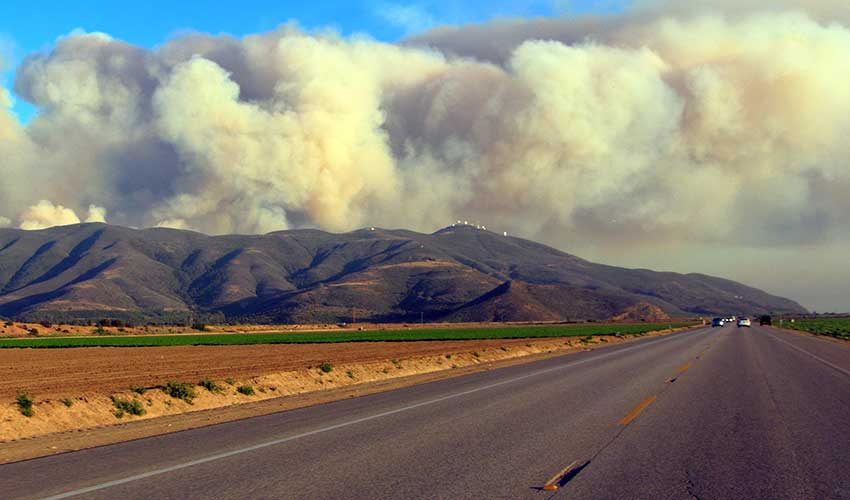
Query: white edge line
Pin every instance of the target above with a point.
(807, 353)
(220, 456)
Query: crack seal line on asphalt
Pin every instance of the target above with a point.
(807, 353)
(274, 442)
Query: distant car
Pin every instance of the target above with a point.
(745, 322)
(765, 320)
(717, 322)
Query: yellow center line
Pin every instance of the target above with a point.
(685, 367)
(550, 484)
(637, 411)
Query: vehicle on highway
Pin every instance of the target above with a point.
(718, 322)
(765, 320)
(745, 322)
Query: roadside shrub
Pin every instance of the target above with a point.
(209, 384)
(123, 406)
(67, 402)
(99, 330)
(137, 390)
(24, 402)
(326, 367)
(229, 381)
(246, 390)
(180, 390)
(200, 327)
(476, 354)
(46, 324)
(33, 332)
(448, 356)
(350, 374)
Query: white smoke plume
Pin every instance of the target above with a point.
(45, 214)
(96, 214)
(715, 123)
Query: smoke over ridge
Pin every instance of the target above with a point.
(714, 124)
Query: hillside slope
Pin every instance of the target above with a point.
(91, 271)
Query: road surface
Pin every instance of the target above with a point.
(721, 413)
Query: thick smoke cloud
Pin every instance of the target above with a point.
(659, 124)
(45, 214)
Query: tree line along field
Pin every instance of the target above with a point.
(346, 336)
(832, 327)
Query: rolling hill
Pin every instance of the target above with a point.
(93, 271)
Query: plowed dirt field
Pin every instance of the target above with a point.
(55, 373)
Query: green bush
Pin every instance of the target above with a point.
(122, 406)
(209, 384)
(24, 402)
(33, 332)
(246, 390)
(137, 390)
(200, 327)
(326, 367)
(230, 381)
(180, 390)
(67, 402)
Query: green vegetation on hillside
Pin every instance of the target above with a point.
(346, 336)
(832, 327)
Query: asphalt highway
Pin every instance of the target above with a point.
(723, 413)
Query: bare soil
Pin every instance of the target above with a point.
(60, 373)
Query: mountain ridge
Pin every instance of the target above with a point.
(457, 273)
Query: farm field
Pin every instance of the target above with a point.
(410, 335)
(69, 372)
(832, 327)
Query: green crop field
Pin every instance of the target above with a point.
(833, 327)
(366, 336)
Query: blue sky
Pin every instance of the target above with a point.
(34, 25)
